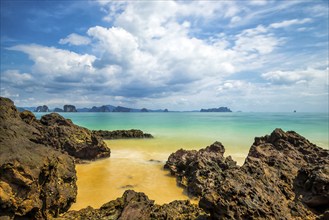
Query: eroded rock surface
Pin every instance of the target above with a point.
(35, 181)
(122, 134)
(60, 133)
(134, 205)
(284, 177)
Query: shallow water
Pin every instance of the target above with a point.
(130, 167)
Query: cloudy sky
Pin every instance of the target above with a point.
(261, 55)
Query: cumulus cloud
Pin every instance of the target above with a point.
(56, 62)
(75, 39)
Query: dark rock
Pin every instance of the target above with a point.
(166, 110)
(69, 108)
(122, 134)
(36, 182)
(43, 108)
(144, 110)
(220, 109)
(284, 177)
(58, 110)
(62, 134)
(133, 205)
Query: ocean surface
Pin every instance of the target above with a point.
(138, 164)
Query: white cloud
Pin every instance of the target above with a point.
(294, 77)
(287, 23)
(256, 40)
(56, 62)
(75, 39)
(15, 77)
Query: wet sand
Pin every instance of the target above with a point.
(134, 164)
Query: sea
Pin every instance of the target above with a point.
(137, 164)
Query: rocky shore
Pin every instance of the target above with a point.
(37, 162)
(122, 134)
(284, 175)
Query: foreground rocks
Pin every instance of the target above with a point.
(284, 177)
(36, 181)
(60, 133)
(133, 205)
(122, 134)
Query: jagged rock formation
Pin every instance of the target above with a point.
(122, 134)
(133, 205)
(220, 109)
(43, 108)
(36, 181)
(144, 110)
(69, 108)
(284, 177)
(60, 133)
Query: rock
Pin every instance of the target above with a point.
(62, 134)
(166, 110)
(122, 134)
(43, 108)
(69, 108)
(58, 110)
(36, 181)
(144, 110)
(284, 177)
(100, 109)
(134, 205)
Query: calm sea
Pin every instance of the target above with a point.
(236, 129)
(138, 163)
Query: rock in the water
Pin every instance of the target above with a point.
(133, 205)
(122, 134)
(36, 182)
(43, 108)
(284, 177)
(57, 132)
(69, 108)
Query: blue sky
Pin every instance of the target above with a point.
(261, 55)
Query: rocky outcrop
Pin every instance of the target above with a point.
(284, 177)
(36, 181)
(122, 134)
(57, 132)
(220, 109)
(144, 110)
(133, 205)
(69, 108)
(43, 108)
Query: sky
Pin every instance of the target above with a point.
(260, 56)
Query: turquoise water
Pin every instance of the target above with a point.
(129, 164)
(234, 130)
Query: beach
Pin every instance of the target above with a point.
(138, 163)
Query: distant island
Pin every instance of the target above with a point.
(103, 108)
(220, 109)
(110, 108)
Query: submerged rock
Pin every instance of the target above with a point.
(36, 181)
(284, 177)
(134, 205)
(122, 134)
